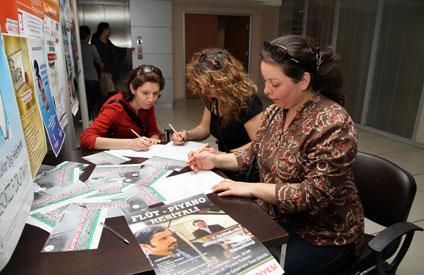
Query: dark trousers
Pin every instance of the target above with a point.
(303, 257)
(95, 100)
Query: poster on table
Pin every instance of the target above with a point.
(69, 75)
(51, 39)
(54, 130)
(15, 173)
(16, 49)
(194, 236)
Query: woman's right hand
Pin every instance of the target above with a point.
(179, 137)
(203, 160)
(140, 144)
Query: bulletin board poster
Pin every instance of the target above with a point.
(51, 39)
(66, 24)
(9, 17)
(23, 17)
(15, 174)
(54, 131)
(16, 49)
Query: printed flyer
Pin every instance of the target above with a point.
(78, 229)
(193, 236)
(15, 172)
(54, 130)
(16, 49)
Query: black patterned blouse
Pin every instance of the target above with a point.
(310, 163)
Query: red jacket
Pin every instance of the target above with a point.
(113, 116)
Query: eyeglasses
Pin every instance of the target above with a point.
(207, 60)
(279, 53)
(149, 69)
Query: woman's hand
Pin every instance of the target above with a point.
(179, 137)
(229, 187)
(201, 160)
(140, 144)
(154, 141)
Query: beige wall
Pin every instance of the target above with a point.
(264, 26)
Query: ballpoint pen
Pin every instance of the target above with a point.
(111, 230)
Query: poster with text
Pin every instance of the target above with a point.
(51, 39)
(54, 130)
(194, 236)
(9, 17)
(16, 49)
(69, 76)
(15, 173)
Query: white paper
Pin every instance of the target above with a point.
(170, 151)
(186, 185)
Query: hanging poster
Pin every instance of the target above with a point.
(9, 17)
(54, 131)
(69, 76)
(16, 49)
(16, 192)
(51, 38)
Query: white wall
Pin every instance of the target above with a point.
(152, 20)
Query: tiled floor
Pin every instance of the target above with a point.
(187, 113)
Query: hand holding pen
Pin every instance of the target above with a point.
(178, 137)
(142, 143)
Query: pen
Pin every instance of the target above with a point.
(135, 133)
(198, 151)
(111, 230)
(175, 131)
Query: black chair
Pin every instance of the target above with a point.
(387, 192)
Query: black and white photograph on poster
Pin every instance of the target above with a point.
(194, 236)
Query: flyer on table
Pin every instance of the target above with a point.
(194, 236)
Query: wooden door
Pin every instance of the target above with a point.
(237, 38)
(201, 31)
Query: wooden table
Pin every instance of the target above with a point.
(113, 256)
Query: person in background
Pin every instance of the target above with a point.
(305, 158)
(128, 111)
(110, 54)
(91, 59)
(233, 110)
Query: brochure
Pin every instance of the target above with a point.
(193, 236)
(78, 229)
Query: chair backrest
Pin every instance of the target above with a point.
(386, 190)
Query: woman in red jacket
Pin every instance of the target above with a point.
(128, 111)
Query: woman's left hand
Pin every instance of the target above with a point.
(229, 187)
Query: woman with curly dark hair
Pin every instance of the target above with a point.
(233, 111)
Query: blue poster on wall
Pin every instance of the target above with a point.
(16, 187)
(39, 65)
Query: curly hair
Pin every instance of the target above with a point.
(217, 70)
(323, 65)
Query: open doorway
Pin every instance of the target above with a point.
(223, 31)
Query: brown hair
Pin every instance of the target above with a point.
(141, 75)
(323, 65)
(217, 69)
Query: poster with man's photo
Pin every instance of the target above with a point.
(194, 236)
